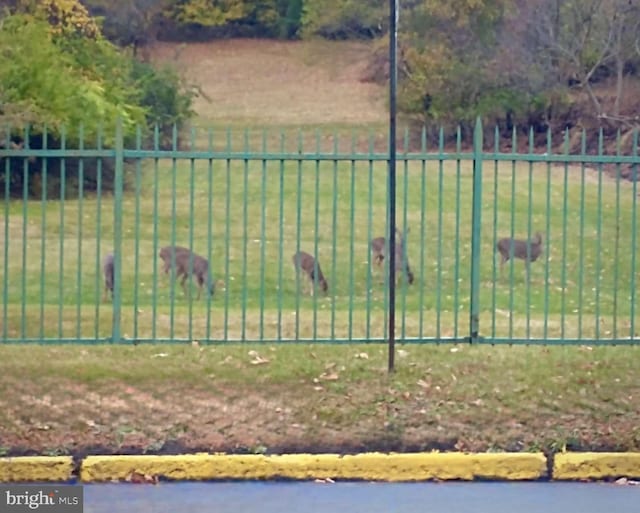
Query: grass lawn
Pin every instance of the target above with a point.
(248, 218)
(316, 398)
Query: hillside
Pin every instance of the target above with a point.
(265, 83)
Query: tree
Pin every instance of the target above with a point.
(584, 42)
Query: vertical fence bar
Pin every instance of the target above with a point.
(156, 187)
(423, 207)
(369, 236)
(80, 234)
(298, 229)
(245, 235)
(393, 82)
(227, 235)
(514, 151)
(456, 273)
(565, 207)
(352, 227)
(99, 277)
(405, 230)
(529, 233)
(583, 152)
(494, 240)
(547, 256)
(192, 186)
(440, 211)
(210, 230)
(118, 188)
(476, 233)
(634, 225)
(263, 229)
(5, 265)
(280, 236)
(616, 251)
(334, 226)
(25, 225)
(63, 188)
(172, 282)
(599, 235)
(136, 231)
(43, 238)
(316, 232)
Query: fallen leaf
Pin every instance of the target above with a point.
(362, 356)
(160, 355)
(333, 376)
(140, 478)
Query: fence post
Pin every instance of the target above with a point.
(476, 221)
(391, 187)
(117, 231)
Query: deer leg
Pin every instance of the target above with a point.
(183, 283)
(200, 285)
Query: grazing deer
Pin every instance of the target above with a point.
(305, 264)
(186, 263)
(378, 252)
(107, 269)
(527, 250)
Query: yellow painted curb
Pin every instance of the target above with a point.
(36, 468)
(596, 465)
(368, 466)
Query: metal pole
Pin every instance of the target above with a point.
(391, 189)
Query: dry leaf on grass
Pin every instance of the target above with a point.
(332, 376)
(257, 359)
(140, 478)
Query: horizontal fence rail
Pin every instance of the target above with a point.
(285, 238)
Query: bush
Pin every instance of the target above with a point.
(80, 87)
(344, 19)
(167, 100)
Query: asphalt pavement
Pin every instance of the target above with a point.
(362, 497)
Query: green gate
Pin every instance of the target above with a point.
(247, 202)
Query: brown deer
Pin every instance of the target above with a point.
(186, 263)
(378, 253)
(527, 250)
(107, 269)
(307, 265)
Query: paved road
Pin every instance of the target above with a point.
(256, 497)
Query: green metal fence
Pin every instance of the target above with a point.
(247, 202)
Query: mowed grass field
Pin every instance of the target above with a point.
(249, 218)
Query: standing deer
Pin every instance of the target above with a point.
(186, 263)
(527, 250)
(402, 267)
(307, 265)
